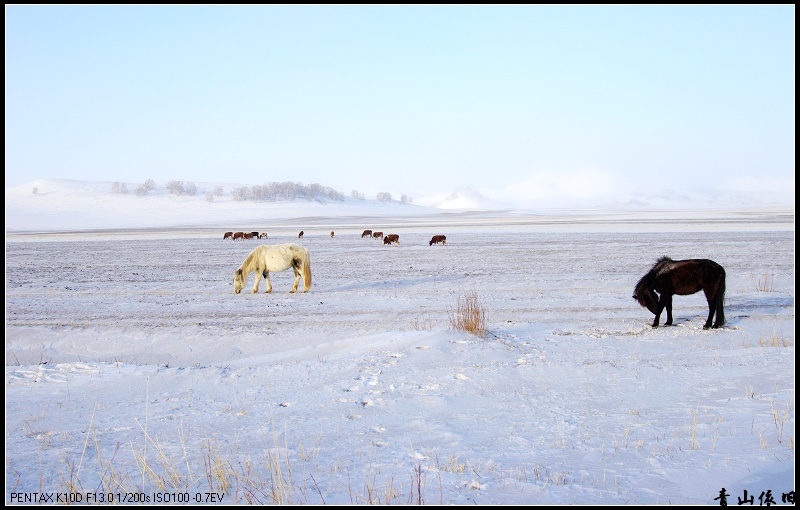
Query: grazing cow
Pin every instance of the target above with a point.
(238, 235)
(254, 235)
(262, 235)
(300, 234)
(437, 240)
(228, 235)
(377, 235)
(248, 235)
(367, 233)
(391, 238)
(331, 233)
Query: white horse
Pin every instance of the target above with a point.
(265, 258)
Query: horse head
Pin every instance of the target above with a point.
(238, 281)
(647, 298)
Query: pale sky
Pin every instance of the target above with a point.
(511, 101)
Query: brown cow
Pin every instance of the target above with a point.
(227, 235)
(331, 233)
(300, 234)
(437, 240)
(391, 238)
(367, 233)
(248, 235)
(377, 235)
(238, 235)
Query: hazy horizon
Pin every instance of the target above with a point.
(70, 205)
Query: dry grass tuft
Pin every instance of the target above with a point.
(765, 283)
(774, 341)
(470, 315)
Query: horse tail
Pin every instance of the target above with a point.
(306, 270)
(719, 299)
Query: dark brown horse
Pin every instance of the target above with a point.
(391, 238)
(238, 235)
(300, 234)
(377, 235)
(366, 233)
(437, 240)
(682, 277)
(228, 235)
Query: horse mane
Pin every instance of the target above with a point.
(250, 261)
(646, 281)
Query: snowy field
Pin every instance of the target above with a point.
(134, 372)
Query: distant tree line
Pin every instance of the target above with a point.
(275, 191)
(178, 188)
(270, 192)
(383, 196)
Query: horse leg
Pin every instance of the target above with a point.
(257, 277)
(714, 306)
(667, 298)
(720, 312)
(659, 309)
(268, 283)
(296, 279)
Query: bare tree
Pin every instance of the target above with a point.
(357, 195)
(35, 190)
(384, 197)
(191, 189)
(175, 187)
(218, 190)
(209, 197)
(145, 188)
(241, 194)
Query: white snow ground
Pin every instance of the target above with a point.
(133, 372)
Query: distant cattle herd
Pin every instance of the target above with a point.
(376, 234)
(244, 235)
